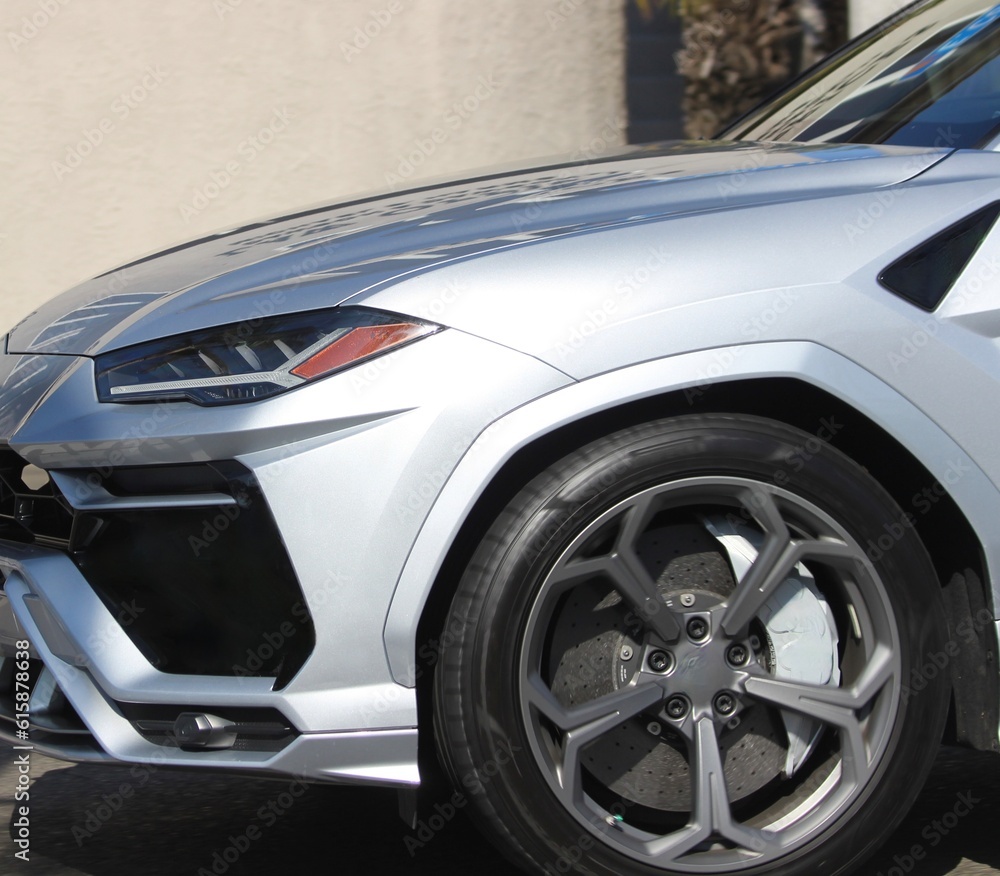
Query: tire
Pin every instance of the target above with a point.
(683, 649)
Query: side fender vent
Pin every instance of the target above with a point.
(925, 275)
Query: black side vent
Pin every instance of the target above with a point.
(924, 275)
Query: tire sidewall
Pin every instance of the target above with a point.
(505, 576)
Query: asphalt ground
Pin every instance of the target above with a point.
(106, 821)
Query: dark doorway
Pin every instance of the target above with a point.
(654, 88)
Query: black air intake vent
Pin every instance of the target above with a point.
(926, 274)
(200, 589)
(33, 512)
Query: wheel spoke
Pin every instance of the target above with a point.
(627, 574)
(711, 815)
(682, 842)
(778, 556)
(836, 706)
(634, 521)
(591, 717)
(581, 725)
(709, 792)
(769, 549)
(637, 586)
(770, 567)
(832, 705)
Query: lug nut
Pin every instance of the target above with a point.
(738, 655)
(697, 629)
(677, 707)
(725, 703)
(661, 661)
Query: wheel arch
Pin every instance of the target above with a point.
(958, 553)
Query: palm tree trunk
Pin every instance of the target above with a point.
(736, 52)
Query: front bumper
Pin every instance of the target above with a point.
(79, 700)
(347, 469)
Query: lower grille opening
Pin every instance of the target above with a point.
(31, 509)
(200, 590)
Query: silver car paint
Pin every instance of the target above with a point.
(384, 757)
(324, 258)
(404, 447)
(976, 493)
(413, 418)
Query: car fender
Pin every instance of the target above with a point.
(812, 363)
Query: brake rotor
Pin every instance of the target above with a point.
(643, 760)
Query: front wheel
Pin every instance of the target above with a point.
(684, 650)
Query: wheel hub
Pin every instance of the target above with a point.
(645, 759)
(714, 725)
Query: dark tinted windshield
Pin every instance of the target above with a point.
(930, 77)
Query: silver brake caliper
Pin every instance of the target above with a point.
(802, 636)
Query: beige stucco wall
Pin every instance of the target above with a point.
(129, 126)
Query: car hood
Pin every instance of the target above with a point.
(325, 256)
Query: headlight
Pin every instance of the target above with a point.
(253, 359)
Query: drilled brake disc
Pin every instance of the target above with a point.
(593, 653)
